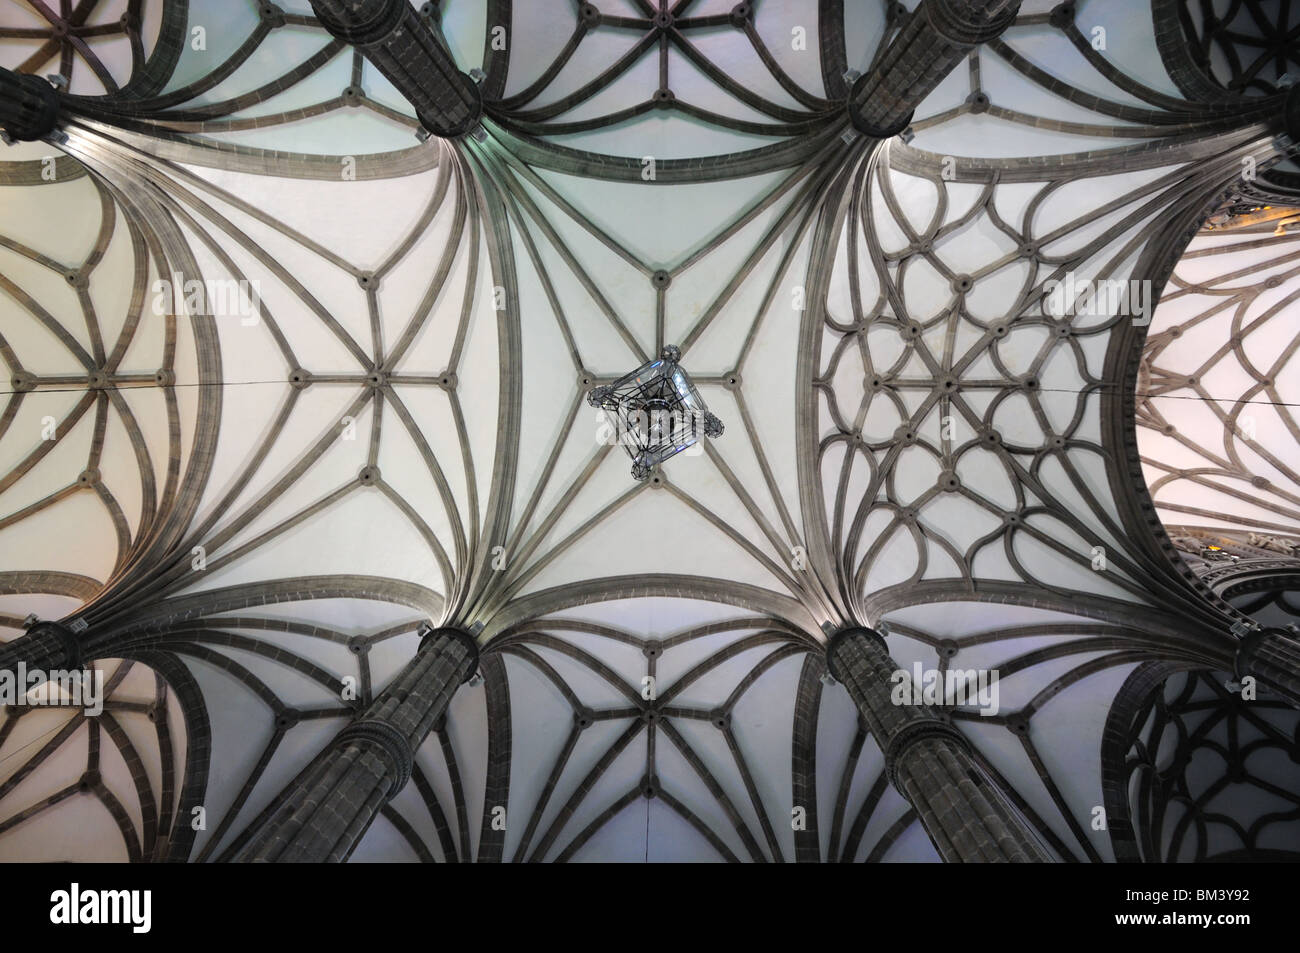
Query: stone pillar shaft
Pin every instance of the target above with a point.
(402, 46)
(327, 808)
(929, 761)
(933, 42)
(29, 106)
(46, 646)
(1272, 656)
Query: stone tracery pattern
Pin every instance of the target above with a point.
(937, 436)
(1222, 336)
(1191, 742)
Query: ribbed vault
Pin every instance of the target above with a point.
(250, 508)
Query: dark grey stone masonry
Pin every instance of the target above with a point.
(403, 46)
(29, 106)
(46, 646)
(930, 45)
(1272, 656)
(324, 812)
(929, 760)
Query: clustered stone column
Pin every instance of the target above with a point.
(1272, 656)
(46, 646)
(929, 760)
(326, 810)
(404, 48)
(933, 41)
(29, 106)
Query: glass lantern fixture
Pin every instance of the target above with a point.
(656, 412)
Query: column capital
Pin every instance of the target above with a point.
(933, 40)
(1248, 645)
(927, 759)
(970, 22)
(851, 632)
(325, 811)
(1273, 656)
(65, 636)
(390, 744)
(45, 645)
(29, 106)
(360, 22)
(871, 131)
(405, 48)
(429, 634)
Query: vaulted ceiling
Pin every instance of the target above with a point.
(259, 508)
